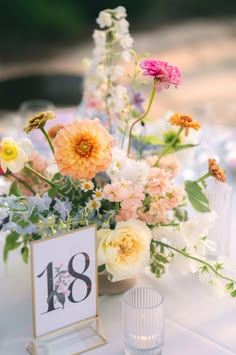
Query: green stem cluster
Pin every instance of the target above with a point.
(168, 146)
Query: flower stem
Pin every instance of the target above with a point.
(21, 182)
(142, 117)
(195, 259)
(44, 179)
(168, 146)
(203, 177)
(48, 138)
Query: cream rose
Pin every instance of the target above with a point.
(125, 251)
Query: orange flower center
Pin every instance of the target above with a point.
(84, 147)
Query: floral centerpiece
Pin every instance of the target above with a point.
(106, 168)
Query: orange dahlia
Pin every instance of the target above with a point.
(83, 148)
(185, 121)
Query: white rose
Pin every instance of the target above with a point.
(124, 250)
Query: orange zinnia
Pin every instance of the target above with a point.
(185, 121)
(216, 171)
(83, 148)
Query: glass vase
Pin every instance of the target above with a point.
(220, 200)
(107, 287)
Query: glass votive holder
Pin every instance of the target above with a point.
(143, 321)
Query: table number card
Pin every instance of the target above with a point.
(64, 287)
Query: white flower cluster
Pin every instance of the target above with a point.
(190, 237)
(113, 44)
(126, 168)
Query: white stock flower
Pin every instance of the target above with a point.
(14, 153)
(119, 98)
(104, 19)
(126, 55)
(214, 282)
(170, 234)
(120, 12)
(99, 38)
(183, 264)
(126, 41)
(122, 27)
(126, 168)
(197, 227)
(124, 250)
(115, 72)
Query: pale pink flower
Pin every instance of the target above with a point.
(158, 181)
(174, 197)
(164, 73)
(147, 217)
(135, 199)
(169, 163)
(117, 190)
(158, 210)
(126, 214)
(151, 160)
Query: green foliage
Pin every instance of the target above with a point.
(181, 214)
(158, 260)
(11, 243)
(101, 268)
(25, 253)
(15, 189)
(196, 197)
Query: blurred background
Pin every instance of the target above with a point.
(43, 44)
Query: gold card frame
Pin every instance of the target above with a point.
(88, 331)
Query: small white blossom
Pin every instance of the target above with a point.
(98, 195)
(87, 185)
(126, 41)
(99, 38)
(126, 55)
(115, 72)
(122, 27)
(104, 19)
(93, 204)
(214, 282)
(120, 12)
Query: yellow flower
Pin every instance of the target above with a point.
(13, 154)
(216, 171)
(38, 121)
(83, 148)
(185, 121)
(125, 251)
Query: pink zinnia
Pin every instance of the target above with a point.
(164, 73)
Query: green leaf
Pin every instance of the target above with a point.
(150, 140)
(233, 294)
(196, 197)
(25, 254)
(181, 214)
(15, 189)
(177, 148)
(101, 268)
(230, 286)
(11, 243)
(61, 298)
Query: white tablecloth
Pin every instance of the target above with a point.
(197, 321)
